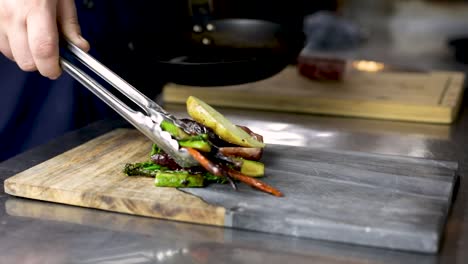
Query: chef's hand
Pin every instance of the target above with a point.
(29, 31)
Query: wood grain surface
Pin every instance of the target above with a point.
(360, 198)
(424, 97)
(91, 176)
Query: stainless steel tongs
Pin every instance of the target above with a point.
(148, 123)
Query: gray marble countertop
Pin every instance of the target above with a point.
(40, 232)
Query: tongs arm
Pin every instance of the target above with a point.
(148, 124)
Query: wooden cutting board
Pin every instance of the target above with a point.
(423, 97)
(375, 200)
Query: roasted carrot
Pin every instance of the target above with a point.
(218, 171)
(205, 163)
(210, 166)
(254, 182)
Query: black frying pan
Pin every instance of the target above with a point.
(215, 52)
(231, 51)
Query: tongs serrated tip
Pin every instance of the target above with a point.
(148, 123)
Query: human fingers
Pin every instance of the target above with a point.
(69, 25)
(43, 39)
(19, 45)
(5, 47)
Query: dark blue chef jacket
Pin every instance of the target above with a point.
(34, 109)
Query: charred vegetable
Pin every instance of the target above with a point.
(208, 116)
(149, 169)
(165, 177)
(227, 153)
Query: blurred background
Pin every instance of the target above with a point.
(150, 43)
(411, 31)
(424, 34)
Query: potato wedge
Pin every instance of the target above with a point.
(225, 129)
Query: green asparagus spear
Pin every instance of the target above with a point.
(178, 179)
(201, 145)
(174, 130)
(142, 169)
(199, 142)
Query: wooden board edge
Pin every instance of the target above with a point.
(453, 94)
(211, 215)
(349, 108)
(38, 210)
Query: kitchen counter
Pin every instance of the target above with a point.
(41, 232)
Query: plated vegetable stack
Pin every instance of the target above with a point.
(227, 153)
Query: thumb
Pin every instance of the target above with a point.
(68, 22)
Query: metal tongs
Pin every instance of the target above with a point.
(148, 122)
